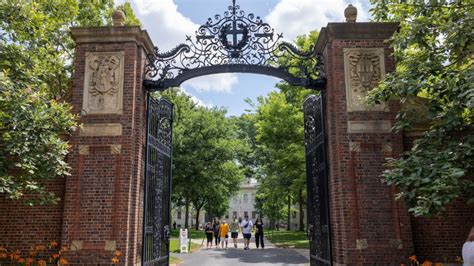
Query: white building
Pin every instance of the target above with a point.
(243, 203)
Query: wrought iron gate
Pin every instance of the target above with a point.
(317, 181)
(156, 224)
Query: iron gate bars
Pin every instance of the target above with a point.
(317, 181)
(156, 224)
(234, 42)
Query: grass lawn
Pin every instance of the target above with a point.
(174, 260)
(288, 239)
(192, 233)
(174, 246)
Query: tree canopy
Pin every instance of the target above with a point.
(434, 53)
(278, 121)
(206, 172)
(36, 56)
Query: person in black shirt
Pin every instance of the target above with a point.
(259, 233)
(209, 232)
(216, 227)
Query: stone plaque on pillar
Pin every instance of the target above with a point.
(363, 69)
(103, 83)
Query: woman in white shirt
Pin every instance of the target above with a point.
(468, 249)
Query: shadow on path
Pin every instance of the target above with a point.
(238, 256)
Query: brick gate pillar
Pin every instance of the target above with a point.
(368, 225)
(103, 201)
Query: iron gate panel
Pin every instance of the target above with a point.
(317, 182)
(156, 224)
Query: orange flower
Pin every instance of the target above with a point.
(63, 261)
(412, 258)
(63, 249)
(29, 261)
(55, 256)
(427, 263)
(117, 253)
(32, 252)
(3, 249)
(21, 260)
(3, 255)
(15, 255)
(53, 244)
(115, 260)
(41, 263)
(40, 247)
(438, 264)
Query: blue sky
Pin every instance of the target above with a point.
(169, 21)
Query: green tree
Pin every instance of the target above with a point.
(205, 147)
(31, 147)
(36, 55)
(434, 54)
(280, 134)
(269, 201)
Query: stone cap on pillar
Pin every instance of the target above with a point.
(113, 35)
(355, 31)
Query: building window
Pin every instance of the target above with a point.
(246, 214)
(254, 215)
(246, 198)
(234, 215)
(227, 216)
(179, 214)
(294, 214)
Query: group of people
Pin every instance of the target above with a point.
(219, 232)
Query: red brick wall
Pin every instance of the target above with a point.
(441, 238)
(362, 207)
(22, 226)
(104, 194)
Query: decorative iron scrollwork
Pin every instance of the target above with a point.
(234, 42)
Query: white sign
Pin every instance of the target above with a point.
(183, 240)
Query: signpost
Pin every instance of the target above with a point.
(183, 240)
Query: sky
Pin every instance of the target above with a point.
(169, 21)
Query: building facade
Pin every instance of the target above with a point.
(240, 205)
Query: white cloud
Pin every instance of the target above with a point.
(196, 100)
(297, 17)
(219, 82)
(168, 28)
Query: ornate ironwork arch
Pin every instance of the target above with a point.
(234, 42)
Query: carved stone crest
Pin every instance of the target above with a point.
(103, 83)
(364, 68)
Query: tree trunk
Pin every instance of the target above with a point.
(288, 226)
(272, 224)
(301, 210)
(197, 218)
(186, 216)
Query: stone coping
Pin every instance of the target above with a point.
(113, 34)
(355, 31)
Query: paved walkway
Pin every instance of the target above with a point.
(237, 256)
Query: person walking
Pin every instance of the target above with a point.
(246, 227)
(468, 249)
(224, 234)
(234, 231)
(259, 233)
(215, 228)
(209, 233)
